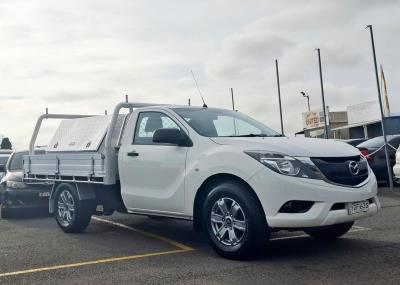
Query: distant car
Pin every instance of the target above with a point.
(354, 142)
(4, 155)
(396, 167)
(374, 151)
(15, 194)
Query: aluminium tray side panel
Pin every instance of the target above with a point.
(40, 164)
(65, 164)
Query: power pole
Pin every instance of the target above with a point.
(279, 94)
(389, 170)
(233, 101)
(322, 94)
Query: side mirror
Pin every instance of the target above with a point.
(171, 136)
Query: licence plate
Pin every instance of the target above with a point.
(44, 194)
(358, 207)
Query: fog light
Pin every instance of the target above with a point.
(293, 207)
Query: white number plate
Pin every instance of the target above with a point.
(358, 207)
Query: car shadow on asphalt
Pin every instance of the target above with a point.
(27, 213)
(295, 248)
(308, 247)
(291, 248)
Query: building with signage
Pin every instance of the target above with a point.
(358, 121)
(314, 124)
(364, 121)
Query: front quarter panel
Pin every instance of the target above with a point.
(208, 159)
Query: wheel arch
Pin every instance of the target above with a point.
(85, 192)
(207, 186)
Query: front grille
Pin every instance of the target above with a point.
(337, 170)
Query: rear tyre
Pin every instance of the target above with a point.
(329, 232)
(72, 215)
(235, 222)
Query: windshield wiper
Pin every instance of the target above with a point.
(256, 135)
(249, 135)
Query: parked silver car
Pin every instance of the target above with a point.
(4, 155)
(15, 195)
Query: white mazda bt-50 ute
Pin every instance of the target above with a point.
(234, 177)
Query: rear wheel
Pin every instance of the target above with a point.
(329, 232)
(234, 221)
(72, 215)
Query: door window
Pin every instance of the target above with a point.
(147, 123)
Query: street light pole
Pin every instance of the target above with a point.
(322, 94)
(233, 101)
(279, 95)
(381, 108)
(308, 99)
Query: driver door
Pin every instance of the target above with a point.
(152, 174)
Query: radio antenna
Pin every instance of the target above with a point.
(198, 89)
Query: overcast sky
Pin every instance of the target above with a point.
(82, 56)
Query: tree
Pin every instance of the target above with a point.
(6, 144)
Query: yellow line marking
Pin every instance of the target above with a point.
(154, 236)
(181, 248)
(353, 230)
(91, 262)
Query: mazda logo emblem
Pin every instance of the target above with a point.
(353, 168)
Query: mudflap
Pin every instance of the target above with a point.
(85, 192)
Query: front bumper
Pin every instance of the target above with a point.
(274, 190)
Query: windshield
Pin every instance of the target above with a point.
(210, 122)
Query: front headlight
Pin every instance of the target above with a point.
(287, 165)
(15, 184)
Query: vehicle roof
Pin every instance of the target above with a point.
(352, 140)
(194, 108)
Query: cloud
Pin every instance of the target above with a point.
(245, 55)
(84, 56)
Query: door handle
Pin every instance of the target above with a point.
(133, 153)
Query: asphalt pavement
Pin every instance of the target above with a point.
(128, 249)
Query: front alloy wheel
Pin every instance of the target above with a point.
(228, 221)
(234, 221)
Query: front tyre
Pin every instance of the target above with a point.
(72, 215)
(234, 221)
(329, 232)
